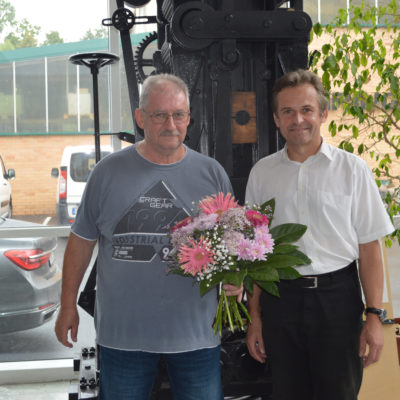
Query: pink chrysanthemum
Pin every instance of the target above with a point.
(244, 250)
(195, 257)
(217, 204)
(264, 239)
(256, 218)
(258, 251)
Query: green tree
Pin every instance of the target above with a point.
(7, 14)
(97, 34)
(21, 33)
(24, 35)
(52, 37)
(359, 66)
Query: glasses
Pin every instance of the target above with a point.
(179, 117)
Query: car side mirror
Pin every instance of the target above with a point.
(11, 174)
(54, 172)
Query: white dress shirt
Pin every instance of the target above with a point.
(333, 193)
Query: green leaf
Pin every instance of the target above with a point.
(317, 28)
(234, 277)
(355, 131)
(266, 273)
(396, 113)
(364, 60)
(215, 279)
(281, 261)
(248, 284)
(326, 48)
(268, 209)
(288, 273)
(301, 256)
(287, 233)
(284, 248)
(269, 287)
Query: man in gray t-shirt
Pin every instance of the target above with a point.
(130, 200)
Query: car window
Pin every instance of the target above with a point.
(82, 164)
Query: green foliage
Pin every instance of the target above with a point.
(359, 67)
(97, 34)
(21, 33)
(53, 37)
(7, 14)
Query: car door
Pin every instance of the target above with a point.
(5, 191)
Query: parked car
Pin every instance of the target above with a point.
(5, 190)
(76, 164)
(30, 279)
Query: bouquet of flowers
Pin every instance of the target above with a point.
(229, 243)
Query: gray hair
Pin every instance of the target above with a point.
(297, 78)
(158, 80)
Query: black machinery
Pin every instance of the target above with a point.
(229, 52)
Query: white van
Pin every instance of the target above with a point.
(5, 190)
(76, 164)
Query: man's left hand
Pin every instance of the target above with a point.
(232, 290)
(371, 335)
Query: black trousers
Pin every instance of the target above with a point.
(312, 338)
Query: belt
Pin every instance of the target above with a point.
(315, 281)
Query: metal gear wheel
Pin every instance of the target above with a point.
(140, 61)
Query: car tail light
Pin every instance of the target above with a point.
(62, 184)
(28, 259)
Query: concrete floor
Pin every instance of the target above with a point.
(37, 391)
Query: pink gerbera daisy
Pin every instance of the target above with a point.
(217, 204)
(195, 257)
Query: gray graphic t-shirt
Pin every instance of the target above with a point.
(129, 205)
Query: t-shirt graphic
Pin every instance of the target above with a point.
(141, 234)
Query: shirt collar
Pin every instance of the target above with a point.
(325, 150)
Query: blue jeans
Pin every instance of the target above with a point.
(130, 375)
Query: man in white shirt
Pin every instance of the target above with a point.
(313, 334)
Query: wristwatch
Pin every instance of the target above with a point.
(380, 312)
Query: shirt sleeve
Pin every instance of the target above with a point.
(370, 218)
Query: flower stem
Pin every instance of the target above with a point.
(228, 313)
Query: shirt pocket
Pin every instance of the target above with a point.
(333, 213)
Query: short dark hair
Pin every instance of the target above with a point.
(297, 78)
(154, 80)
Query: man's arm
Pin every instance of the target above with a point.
(76, 260)
(371, 276)
(254, 339)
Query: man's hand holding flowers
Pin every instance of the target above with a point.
(234, 246)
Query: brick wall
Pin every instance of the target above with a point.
(34, 190)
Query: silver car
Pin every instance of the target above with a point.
(30, 280)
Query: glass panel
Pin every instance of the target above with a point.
(311, 8)
(126, 111)
(6, 98)
(387, 18)
(86, 99)
(329, 10)
(62, 95)
(31, 96)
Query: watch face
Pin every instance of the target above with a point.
(380, 312)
